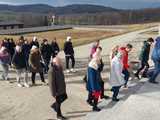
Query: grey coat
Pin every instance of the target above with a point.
(56, 81)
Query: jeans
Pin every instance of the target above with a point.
(22, 73)
(5, 70)
(46, 67)
(126, 76)
(67, 61)
(143, 65)
(115, 90)
(156, 71)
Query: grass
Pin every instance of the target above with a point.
(80, 36)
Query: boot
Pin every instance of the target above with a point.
(95, 108)
(137, 76)
(61, 117)
(115, 99)
(54, 107)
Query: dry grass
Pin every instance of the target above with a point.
(79, 36)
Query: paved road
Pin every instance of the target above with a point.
(34, 103)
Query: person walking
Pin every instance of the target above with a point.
(144, 57)
(116, 76)
(69, 54)
(156, 59)
(5, 60)
(35, 64)
(19, 63)
(114, 52)
(12, 46)
(34, 42)
(125, 51)
(55, 48)
(93, 49)
(46, 52)
(26, 50)
(93, 83)
(57, 86)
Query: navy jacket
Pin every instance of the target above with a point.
(68, 48)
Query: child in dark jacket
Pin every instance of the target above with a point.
(144, 57)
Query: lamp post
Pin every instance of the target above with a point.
(53, 20)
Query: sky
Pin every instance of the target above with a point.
(122, 4)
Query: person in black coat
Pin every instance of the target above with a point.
(57, 86)
(26, 50)
(34, 42)
(46, 54)
(12, 46)
(19, 63)
(144, 57)
(69, 54)
(55, 48)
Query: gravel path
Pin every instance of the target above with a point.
(34, 103)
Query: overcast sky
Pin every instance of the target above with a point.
(112, 3)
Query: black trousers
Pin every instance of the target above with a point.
(102, 88)
(59, 100)
(143, 65)
(68, 59)
(34, 75)
(115, 91)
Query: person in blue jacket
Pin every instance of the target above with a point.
(156, 59)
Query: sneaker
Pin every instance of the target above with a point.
(44, 83)
(19, 85)
(26, 85)
(73, 70)
(68, 71)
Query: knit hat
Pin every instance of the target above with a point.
(68, 38)
(34, 47)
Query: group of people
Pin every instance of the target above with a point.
(25, 57)
(34, 57)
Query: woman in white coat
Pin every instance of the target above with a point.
(116, 76)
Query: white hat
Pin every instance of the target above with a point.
(34, 38)
(34, 47)
(18, 48)
(68, 38)
(2, 49)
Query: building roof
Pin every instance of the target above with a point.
(4, 23)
